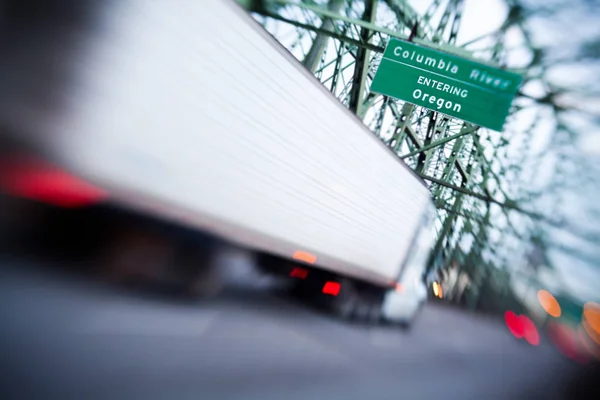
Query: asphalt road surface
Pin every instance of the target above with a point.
(66, 338)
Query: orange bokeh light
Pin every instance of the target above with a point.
(591, 320)
(549, 303)
(437, 290)
(587, 344)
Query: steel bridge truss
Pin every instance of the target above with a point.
(482, 182)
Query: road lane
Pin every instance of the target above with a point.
(65, 338)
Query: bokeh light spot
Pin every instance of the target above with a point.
(565, 339)
(549, 303)
(530, 332)
(514, 324)
(591, 320)
(437, 290)
(587, 343)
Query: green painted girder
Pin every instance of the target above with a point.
(312, 59)
(459, 51)
(362, 62)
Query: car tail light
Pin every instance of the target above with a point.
(37, 180)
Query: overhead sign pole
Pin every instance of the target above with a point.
(445, 83)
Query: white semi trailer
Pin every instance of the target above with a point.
(190, 113)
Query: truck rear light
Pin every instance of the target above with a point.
(304, 256)
(299, 273)
(331, 288)
(36, 180)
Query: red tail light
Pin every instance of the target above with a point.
(36, 180)
(331, 288)
(299, 273)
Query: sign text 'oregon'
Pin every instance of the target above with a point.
(446, 83)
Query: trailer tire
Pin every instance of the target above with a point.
(206, 281)
(270, 265)
(357, 303)
(362, 311)
(375, 313)
(135, 257)
(345, 303)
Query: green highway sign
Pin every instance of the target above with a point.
(443, 82)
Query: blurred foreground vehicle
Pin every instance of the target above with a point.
(189, 114)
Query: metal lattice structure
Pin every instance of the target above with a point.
(493, 206)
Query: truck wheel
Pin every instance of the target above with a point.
(375, 314)
(368, 309)
(271, 265)
(352, 303)
(136, 257)
(205, 280)
(19, 222)
(344, 305)
(362, 310)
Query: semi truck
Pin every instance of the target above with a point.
(189, 115)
